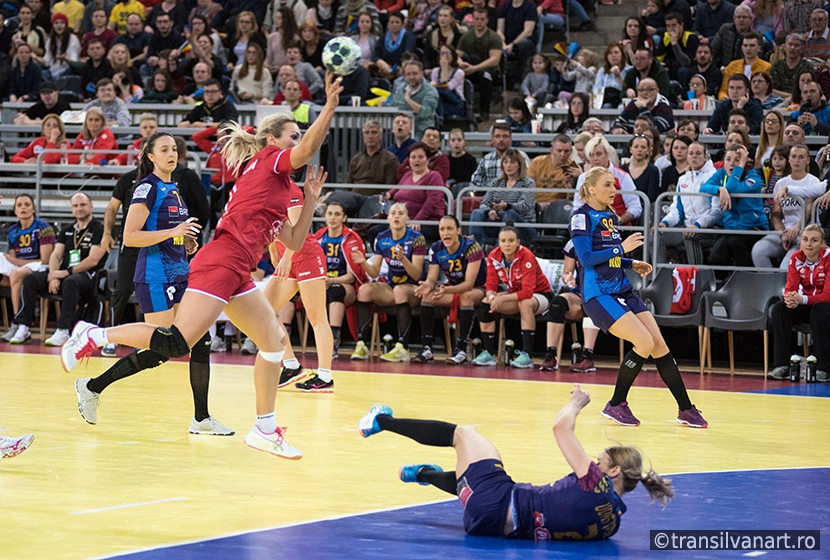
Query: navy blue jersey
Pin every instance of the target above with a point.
(599, 252)
(165, 262)
(335, 259)
(26, 242)
(454, 266)
(413, 244)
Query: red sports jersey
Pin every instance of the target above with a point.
(523, 276)
(258, 203)
(810, 279)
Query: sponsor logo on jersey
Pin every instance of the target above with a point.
(173, 211)
(578, 221)
(606, 233)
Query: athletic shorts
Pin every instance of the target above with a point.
(485, 490)
(308, 264)
(218, 270)
(605, 310)
(155, 298)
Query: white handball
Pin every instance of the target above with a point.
(341, 55)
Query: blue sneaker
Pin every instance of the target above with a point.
(523, 360)
(484, 359)
(368, 425)
(409, 473)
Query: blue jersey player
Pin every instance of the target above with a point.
(609, 299)
(158, 223)
(585, 505)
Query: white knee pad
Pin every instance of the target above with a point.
(273, 357)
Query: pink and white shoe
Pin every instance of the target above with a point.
(78, 347)
(274, 444)
(11, 447)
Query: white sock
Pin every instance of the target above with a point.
(98, 336)
(324, 374)
(291, 363)
(267, 423)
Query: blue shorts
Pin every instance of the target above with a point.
(605, 310)
(485, 490)
(154, 298)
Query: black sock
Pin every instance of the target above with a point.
(445, 481)
(425, 432)
(199, 384)
(670, 375)
(404, 322)
(137, 361)
(551, 351)
(528, 336)
(588, 353)
(465, 325)
(488, 342)
(364, 320)
(630, 368)
(427, 324)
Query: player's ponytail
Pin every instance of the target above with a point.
(242, 146)
(145, 166)
(630, 461)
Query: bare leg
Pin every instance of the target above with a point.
(16, 284)
(630, 328)
(471, 447)
(313, 294)
(279, 294)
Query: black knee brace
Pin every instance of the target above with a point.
(336, 293)
(484, 314)
(200, 353)
(147, 359)
(169, 342)
(558, 309)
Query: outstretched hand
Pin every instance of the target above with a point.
(632, 242)
(333, 89)
(579, 397)
(315, 177)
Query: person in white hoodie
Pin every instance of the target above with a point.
(695, 212)
(787, 210)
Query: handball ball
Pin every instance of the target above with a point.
(341, 55)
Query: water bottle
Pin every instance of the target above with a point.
(576, 349)
(795, 369)
(812, 364)
(387, 343)
(509, 349)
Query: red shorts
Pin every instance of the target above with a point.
(308, 264)
(219, 271)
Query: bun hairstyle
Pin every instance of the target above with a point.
(145, 166)
(242, 146)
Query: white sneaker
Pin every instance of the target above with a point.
(217, 344)
(87, 401)
(210, 426)
(274, 444)
(78, 347)
(11, 447)
(10, 333)
(109, 350)
(57, 339)
(248, 347)
(22, 335)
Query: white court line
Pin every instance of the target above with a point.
(755, 553)
(124, 506)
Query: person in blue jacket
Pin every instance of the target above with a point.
(738, 213)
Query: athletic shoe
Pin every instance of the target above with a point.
(523, 360)
(368, 425)
(274, 444)
(217, 344)
(22, 335)
(87, 401)
(57, 339)
(620, 414)
(248, 347)
(409, 473)
(315, 385)
(781, 373)
(291, 374)
(11, 446)
(210, 426)
(485, 359)
(584, 365)
(691, 418)
(78, 347)
(458, 357)
(550, 363)
(397, 354)
(821, 376)
(360, 351)
(334, 354)
(109, 350)
(10, 333)
(424, 356)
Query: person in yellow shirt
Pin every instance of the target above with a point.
(748, 65)
(120, 13)
(73, 10)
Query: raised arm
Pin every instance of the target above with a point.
(563, 431)
(316, 134)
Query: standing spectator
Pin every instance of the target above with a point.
(120, 14)
(393, 44)
(94, 135)
(537, 80)
(215, 108)
(462, 164)
(418, 96)
(480, 51)
(702, 66)
(648, 102)
(26, 76)
(50, 103)
(554, 171)
(251, 81)
(516, 26)
(247, 31)
(73, 10)
(285, 33)
(374, 165)
(136, 39)
(100, 30)
(784, 72)
(726, 45)
(737, 97)
(114, 109)
(710, 16)
(62, 46)
(646, 67)
(678, 47)
(797, 14)
(750, 47)
(817, 42)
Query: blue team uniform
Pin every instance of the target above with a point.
(454, 266)
(335, 259)
(605, 290)
(161, 270)
(26, 242)
(413, 244)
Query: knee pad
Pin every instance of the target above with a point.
(200, 353)
(336, 294)
(147, 359)
(484, 314)
(169, 342)
(558, 309)
(272, 357)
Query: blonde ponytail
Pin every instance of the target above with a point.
(630, 461)
(242, 146)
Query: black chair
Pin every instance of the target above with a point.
(469, 117)
(370, 208)
(381, 83)
(550, 245)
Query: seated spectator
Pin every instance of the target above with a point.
(95, 69)
(437, 160)
(516, 25)
(160, 89)
(126, 90)
(391, 46)
(374, 165)
(805, 301)
(646, 67)
(365, 38)
(192, 92)
(448, 79)
(355, 84)
(751, 48)
(298, 8)
(710, 16)
(75, 259)
(635, 36)
(645, 175)
(679, 160)
(119, 16)
(691, 212)
(305, 71)
(199, 26)
(114, 108)
(663, 159)
(772, 135)
(50, 102)
(402, 133)
(174, 9)
(701, 102)
(28, 33)
(100, 31)
(648, 102)
(610, 75)
(678, 47)
(726, 45)
(738, 97)
(515, 284)
(462, 164)
(554, 171)
(654, 16)
(582, 70)
(311, 45)
(164, 38)
(252, 82)
(135, 39)
(31, 242)
(206, 9)
(514, 202)
(444, 32)
(347, 16)
(817, 42)
(303, 111)
(418, 96)
(285, 74)
(689, 129)
(593, 125)
(61, 46)
(119, 56)
(202, 51)
(52, 137)
(147, 126)
(225, 20)
(600, 154)
(518, 118)
(703, 66)
(26, 76)
(73, 10)
(285, 33)
(783, 73)
(214, 109)
(480, 52)
(423, 205)
(94, 135)
(578, 152)
(794, 135)
(489, 167)
(814, 114)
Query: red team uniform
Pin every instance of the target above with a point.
(309, 263)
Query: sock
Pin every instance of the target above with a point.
(404, 322)
(488, 342)
(551, 351)
(291, 363)
(335, 333)
(528, 336)
(98, 336)
(324, 374)
(670, 375)
(588, 353)
(630, 368)
(125, 367)
(267, 423)
(364, 319)
(427, 324)
(465, 325)
(199, 385)
(425, 432)
(445, 481)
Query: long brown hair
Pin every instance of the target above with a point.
(630, 461)
(260, 58)
(623, 62)
(514, 155)
(145, 166)
(289, 27)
